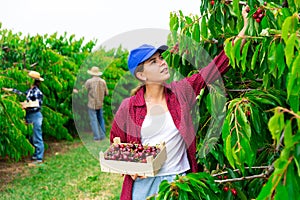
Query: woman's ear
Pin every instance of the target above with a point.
(141, 76)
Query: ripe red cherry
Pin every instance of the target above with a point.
(140, 148)
(254, 16)
(225, 177)
(258, 11)
(225, 189)
(234, 192)
(258, 20)
(212, 2)
(219, 177)
(247, 9)
(248, 113)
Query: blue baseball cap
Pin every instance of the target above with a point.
(141, 54)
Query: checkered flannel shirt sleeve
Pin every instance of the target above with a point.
(18, 92)
(35, 94)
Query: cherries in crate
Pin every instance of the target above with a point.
(131, 152)
(132, 158)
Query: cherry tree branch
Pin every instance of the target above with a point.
(269, 170)
(240, 2)
(240, 90)
(288, 111)
(262, 175)
(237, 170)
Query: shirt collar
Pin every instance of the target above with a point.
(139, 99)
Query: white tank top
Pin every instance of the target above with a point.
(159, 128)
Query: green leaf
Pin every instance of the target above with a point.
(255, 119)
(297, 156)
(276, 125)
(175, 60)
(211, 26)
(196, 184)
(289, 49)
(228, 151)
(266, 190)
(265, 23)
(265, 101)
(196, 32)
(236, 51)
(225, 129)
(292, 84)
(174, 24)
(228, 51)
(280, 59)
(292, 182)
(294, 101)
(288, 137)
(167, 195)
(204, 31)
(281, 192)
(236, 8)
(251, 28)
(245, 54)
(272, 57)
(183, 186)
(254, 57)
(262, 55)
(249, 159)
(183, 195)
(242, 114)
(286, 27)
(296, 66)
(241, 194)
(164, 186)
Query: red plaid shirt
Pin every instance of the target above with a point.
(180, 97)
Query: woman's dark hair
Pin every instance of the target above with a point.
(37, 82)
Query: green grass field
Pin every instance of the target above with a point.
(74, 174)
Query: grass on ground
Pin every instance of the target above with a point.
(75, 174)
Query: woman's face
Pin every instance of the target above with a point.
(156, 69)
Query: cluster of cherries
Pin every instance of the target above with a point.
(175, 48)
(258, 15)
(131, 152)
(227, 188)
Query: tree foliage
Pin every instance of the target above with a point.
(61, 60)
(57, 58)
(253, 148)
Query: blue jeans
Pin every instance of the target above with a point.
(97, 123)
(36, 139)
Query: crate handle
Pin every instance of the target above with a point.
(117, 140)
(162, 144)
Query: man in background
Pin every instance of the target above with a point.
(97, 89)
